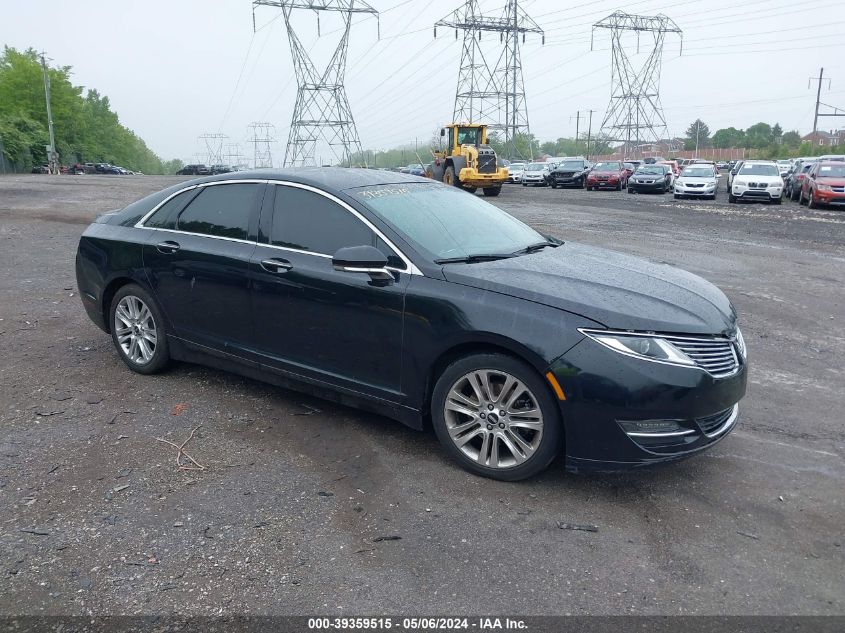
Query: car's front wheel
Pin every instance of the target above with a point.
(137, 329)
(496, 417)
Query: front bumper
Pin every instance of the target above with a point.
(835, 198)
(657, 185)
(534, 180)
(604, 388)
(695, 191)
(747, 193)
(604, 184)
(568, 181)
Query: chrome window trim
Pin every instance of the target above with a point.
(410, 269)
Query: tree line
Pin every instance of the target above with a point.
(86, 127)
(770, 140)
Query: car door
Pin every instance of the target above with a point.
(312, 320)
(197, 263)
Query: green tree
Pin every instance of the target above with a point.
(728, 137)
(759, 136)
(777, 133)
(86, 128)
(698, 135)
(791, 138)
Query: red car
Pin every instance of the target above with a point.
(611, 175)
(825, 184)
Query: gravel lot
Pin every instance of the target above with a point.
(285, 520)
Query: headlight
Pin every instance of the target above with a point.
(740, 183)
(680, 183)
(740, 345)
(645, 346)
(823, 187)
(775, 185)
(712, 183)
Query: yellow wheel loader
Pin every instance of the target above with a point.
(468, 162)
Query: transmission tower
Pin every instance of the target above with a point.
(492, 93)
(214, 148)
(635, 112)
(322, 109)
(261, 136)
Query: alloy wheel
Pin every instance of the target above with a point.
(135, 330)
(493, 418)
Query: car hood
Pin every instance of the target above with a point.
(833, 182)
(619, 291)
(605, 173)
(698, 179)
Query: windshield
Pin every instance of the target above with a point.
(445, 222)
(607, 167)
(571, 164)
(832, 171)
(517, 166)
(698, 172)
(652, 170)
(535, 167)
(469, 136)
(759, 170)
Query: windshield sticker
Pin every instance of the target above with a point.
(825, 168)
(371, 194)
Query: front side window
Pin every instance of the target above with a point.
(221, 211)
(307, 221)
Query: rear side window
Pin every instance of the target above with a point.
(221, 211)
(165, 216)
(308, 221)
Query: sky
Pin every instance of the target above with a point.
(179, 69)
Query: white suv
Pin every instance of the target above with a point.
(757, 180)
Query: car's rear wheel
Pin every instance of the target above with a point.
(137, 329)
(811, 202)
(496, 417)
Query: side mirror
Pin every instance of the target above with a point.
(443, 131)
(363, 259)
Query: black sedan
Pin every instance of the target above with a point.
(426, 304)
(652, 178)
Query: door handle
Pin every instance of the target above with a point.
(168, 248)
(276, 266)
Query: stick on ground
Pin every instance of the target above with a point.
(180, 448)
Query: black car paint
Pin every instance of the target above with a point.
(393, 340)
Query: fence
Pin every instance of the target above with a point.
(705, 154)
(7, 167)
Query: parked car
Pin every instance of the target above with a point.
(194, 170)
(508, 341)
(220, 169)
(732, 174)
(535, 174)
(416, 169)
(697, 180)
(629, 169)
(784, 165)
(515, 171)
(106, 168)
(651, 178)
(676, 169)
(832, 157)
(795, 179)
(607, 175)
(824, 185)
(41, 169)
(570, 173)
(722, 165)
(757, 180)
(651, 160)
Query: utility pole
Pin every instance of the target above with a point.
(589, 132)
(697, 128)
(818, 100)
(577, 125)
(52, 157)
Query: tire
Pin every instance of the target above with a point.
(801, 197)
(492, 192)
(779, 201)
(450, 178)
(630, 190)
(470, 189)
(525, 184)
(676, 196)
(514, 460)
(731, 198)
(136, 323)
(811, 203)
(619, 186)
(554, 185)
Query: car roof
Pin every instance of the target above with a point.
(327, 178)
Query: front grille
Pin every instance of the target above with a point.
(715, 355)
(757, 185)
(693, 184)
(486, 160)
(838, 189)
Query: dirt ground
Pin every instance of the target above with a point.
(287, 517)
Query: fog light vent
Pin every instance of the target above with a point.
(654, 428)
